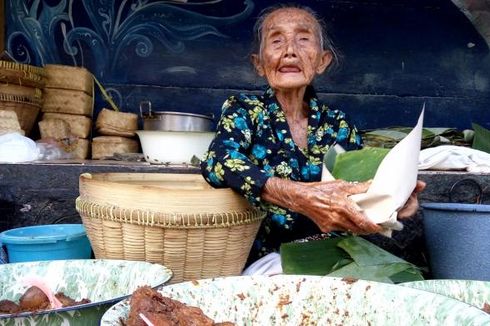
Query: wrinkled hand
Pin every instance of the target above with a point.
(412, 204)
(328, 205)
(325, 203)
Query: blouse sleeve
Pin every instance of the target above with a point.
(226, 164)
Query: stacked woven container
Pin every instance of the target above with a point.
(117, 130)
(20, 92)
(68, 108)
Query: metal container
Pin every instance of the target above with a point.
(174, 121)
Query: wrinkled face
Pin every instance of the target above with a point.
(291, 53)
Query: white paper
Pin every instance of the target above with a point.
(393, 183)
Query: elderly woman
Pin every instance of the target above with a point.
(269, 148)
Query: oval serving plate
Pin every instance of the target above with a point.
(312, 300)
(475, 293)
(103, 282)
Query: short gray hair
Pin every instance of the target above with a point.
(325, 40)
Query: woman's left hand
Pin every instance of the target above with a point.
(412, 204)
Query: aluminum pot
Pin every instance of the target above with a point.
(174, 121)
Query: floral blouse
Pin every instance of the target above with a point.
(253, 142)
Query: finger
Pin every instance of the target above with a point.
(358, 222)
(353, 188)
(420, 186)
(341, 223)
(410, 207)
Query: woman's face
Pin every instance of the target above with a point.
(291, 52)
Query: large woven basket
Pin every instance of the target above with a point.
(177, 220)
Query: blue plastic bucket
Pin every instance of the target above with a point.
(457, 242)
(46, 242)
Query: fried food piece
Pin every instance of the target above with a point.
(163, 311)
(34, 299)
(66, 301)
(8, 307)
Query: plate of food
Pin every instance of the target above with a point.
(290, 300)
(70, 292)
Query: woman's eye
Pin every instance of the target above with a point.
(276, 41)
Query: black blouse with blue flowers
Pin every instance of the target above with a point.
(253, 142)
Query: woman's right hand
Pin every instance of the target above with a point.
(325, 203)
(329, 206)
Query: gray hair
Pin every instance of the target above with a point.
(326, 42)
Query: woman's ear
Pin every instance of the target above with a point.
(325, 61)
(258, 66)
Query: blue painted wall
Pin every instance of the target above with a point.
(189, 56)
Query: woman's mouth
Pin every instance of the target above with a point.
(286, 69)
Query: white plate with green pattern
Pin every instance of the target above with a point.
(475, 293)
(312, 300)
(103, 282)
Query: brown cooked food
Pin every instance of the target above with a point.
(163, 311)
(66, 301)
(8, 307)
(34, 299)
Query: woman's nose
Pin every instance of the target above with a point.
(290, 49)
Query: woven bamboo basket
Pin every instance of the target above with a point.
(54, 128)
(112, 123)
(177, 220)
(58, 100)
(22, 74)
(69, 77)
(34, 94)
(107, 146)
(79, 148)
(80, 125)
(26, 109)
(9, 122)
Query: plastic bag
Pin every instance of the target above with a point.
(50, 149)
(17, 148)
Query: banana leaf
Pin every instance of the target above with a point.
(347, 257)
(389, 137)
(359, 165)
(377, 273)
(370, 262)
(313, 257)
(366, 253)
(481, 140)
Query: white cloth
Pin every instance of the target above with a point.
(267, 265)
(450, 157)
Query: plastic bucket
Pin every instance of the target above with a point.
(46, 242)
(456, 236)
